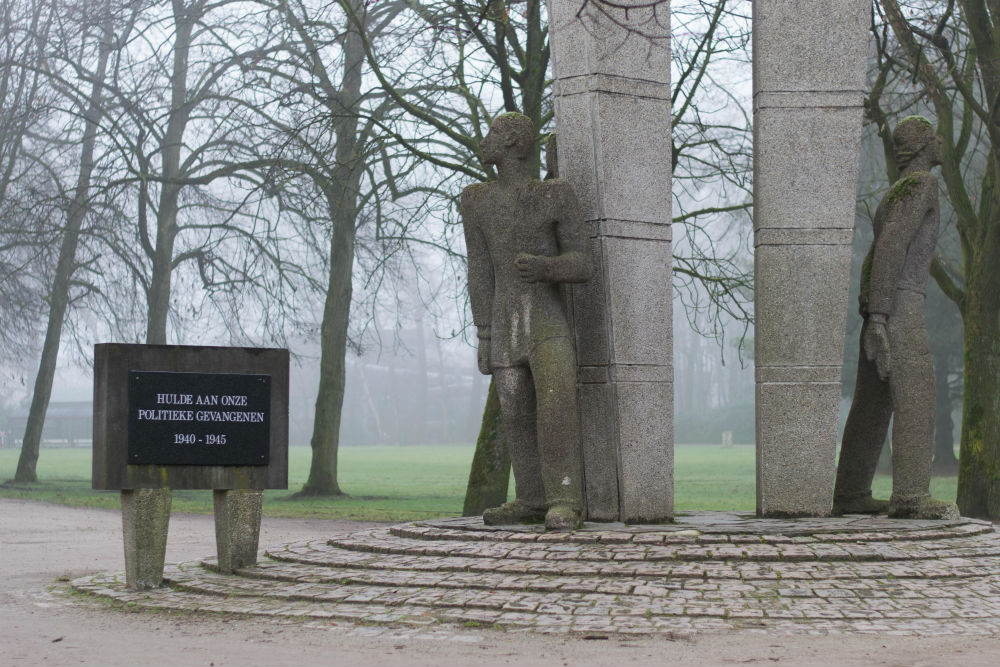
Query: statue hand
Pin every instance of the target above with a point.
(483, 356)
(876, 346)
(533, 268)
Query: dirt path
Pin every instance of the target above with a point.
(42, 623)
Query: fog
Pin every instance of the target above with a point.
(245, 173)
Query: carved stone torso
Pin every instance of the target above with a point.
(514, 221)
(912, 200)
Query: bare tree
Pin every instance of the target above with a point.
(97, 48)
(26, 244)
(351, 188)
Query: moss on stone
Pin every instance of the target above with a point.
(916, 118)
(902, 187)
(866, 277)
(489, 476)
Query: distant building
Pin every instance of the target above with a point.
(67, 424)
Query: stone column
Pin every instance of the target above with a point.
(808, 78)
(612, 106)
(237, 527)
(145, 520)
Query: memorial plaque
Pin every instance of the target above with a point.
(190, 417)
(198, 418)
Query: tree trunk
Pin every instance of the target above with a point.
(979, 458)
(417, 431)
(945, 462)
(342, 199)
(158, 297)
(332, 372)
(59, 296)
(490, 473)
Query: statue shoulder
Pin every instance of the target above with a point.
(473, 196)
(557, 188)
(910, 185)
(475, 190)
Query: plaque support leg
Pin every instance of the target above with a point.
(145, 518)
(237, 527)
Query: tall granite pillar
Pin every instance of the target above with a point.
(612, 106)
(808, 79)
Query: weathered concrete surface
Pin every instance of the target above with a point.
(237, 527)
(613, 121)
(809, 78)
(145, 519)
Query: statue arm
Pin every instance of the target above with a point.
(480, 266)
(574, 262)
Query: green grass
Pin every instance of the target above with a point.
(404, 483)
(710, 477)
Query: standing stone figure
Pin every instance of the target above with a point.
(895, 372)
(525, 237)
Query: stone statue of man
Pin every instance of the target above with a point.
(525, 237)
(895, 372)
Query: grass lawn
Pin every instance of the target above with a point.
(405, 483)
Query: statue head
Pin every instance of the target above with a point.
(512, 135)
(915, 136)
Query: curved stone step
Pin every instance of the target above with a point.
(379, 573)
(903, 577)
(925, 545)
(704, 528)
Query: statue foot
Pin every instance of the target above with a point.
(513, 513)
(859, 505)
(562, 518)
(922, 507)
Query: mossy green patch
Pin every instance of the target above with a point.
(902, 188)
(915, 118)
(866, 277)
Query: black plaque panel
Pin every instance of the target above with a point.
(215, 419)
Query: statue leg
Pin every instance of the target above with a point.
(516, 392)
(864, 436)
(912, 383)
(553, 365)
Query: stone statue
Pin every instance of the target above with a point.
(525, 237)
(895, 372)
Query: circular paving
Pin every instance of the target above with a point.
(710, 571)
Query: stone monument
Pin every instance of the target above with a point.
(525, 238)
(611, 67)
(808, 87)
(184, 417)
(895, 371)
(612, 107)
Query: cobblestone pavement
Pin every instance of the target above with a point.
(711, 571)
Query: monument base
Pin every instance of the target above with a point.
(145, 519)
(709, 572)
(237, 527)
